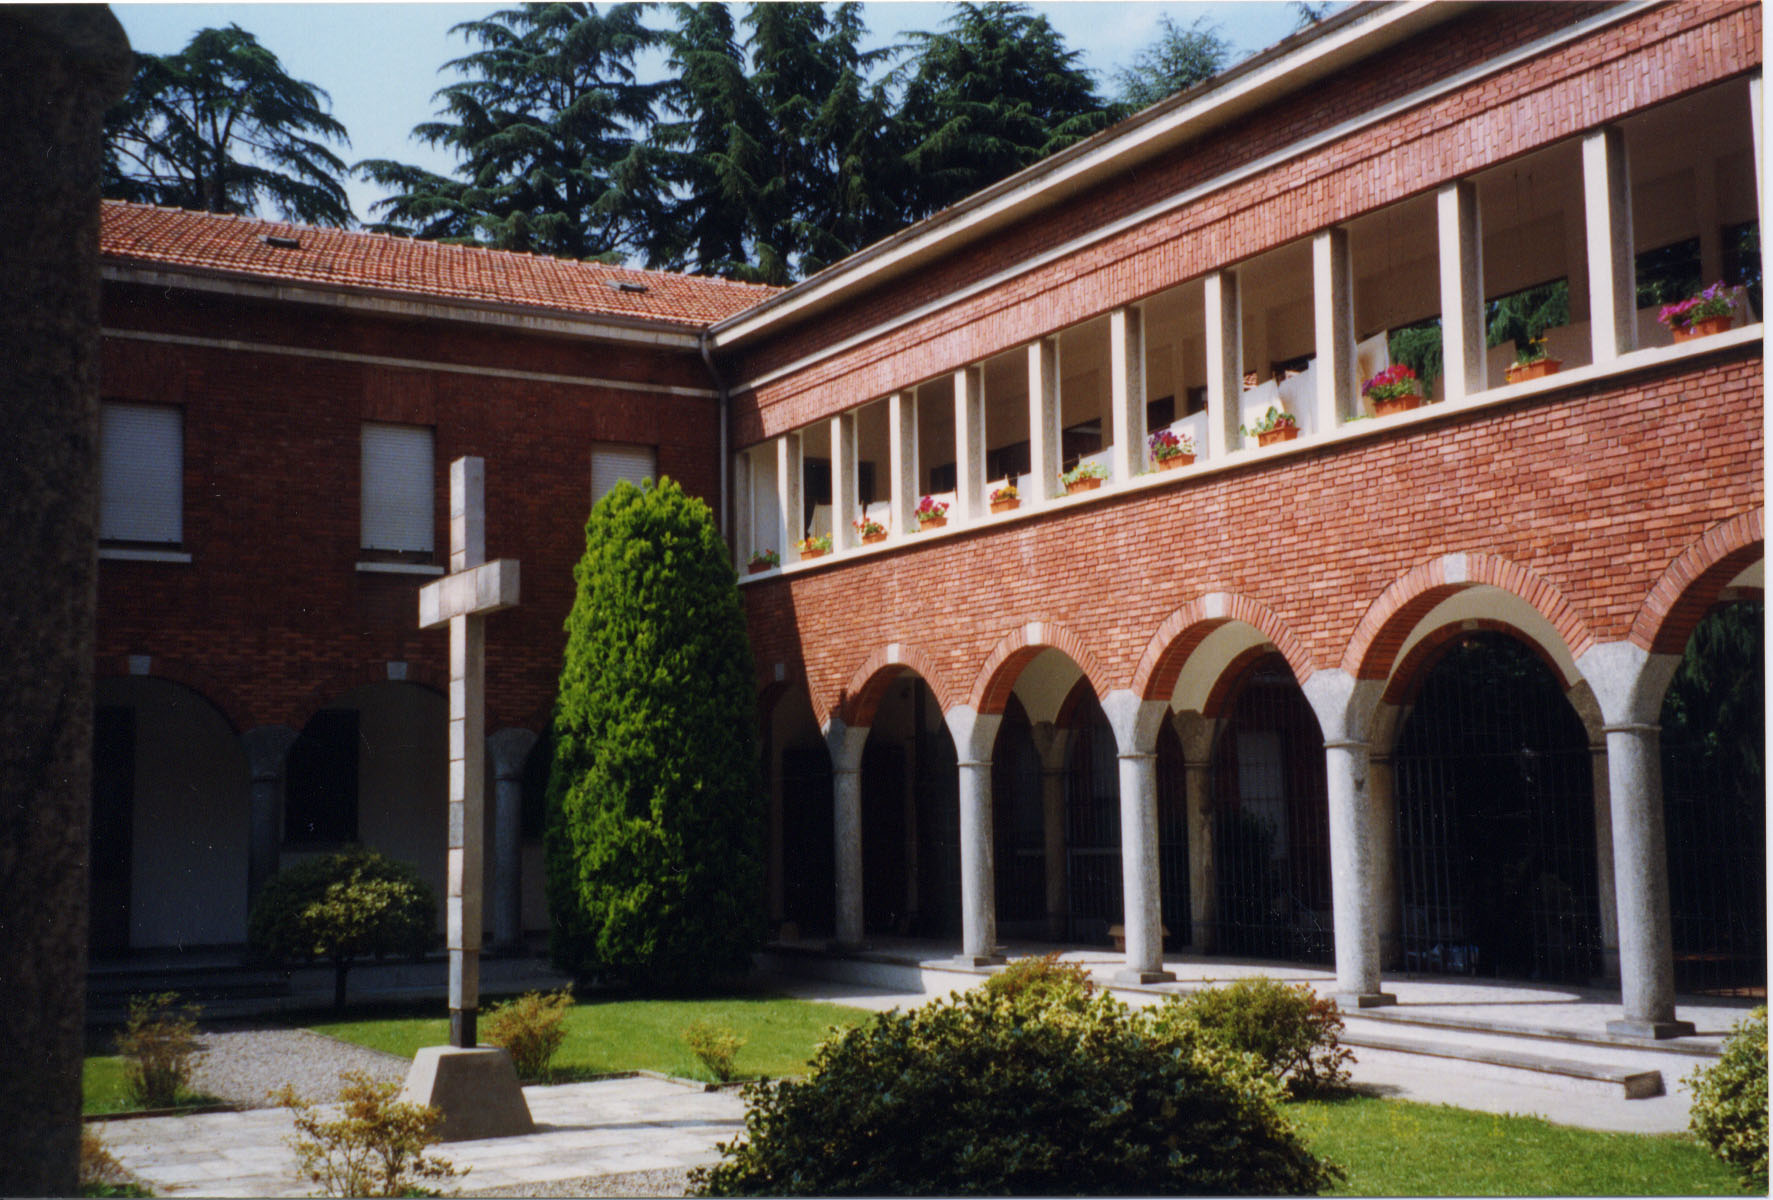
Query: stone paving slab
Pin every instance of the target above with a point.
(583, 1129)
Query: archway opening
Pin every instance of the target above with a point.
(1271, 841)
(1714, 796)
(1172, 839)
(1018, 827)
(1494, 784)
(910, 817)
(1094, 886)
(803, 870)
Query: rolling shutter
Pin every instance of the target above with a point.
(612, 462)
(398, 481)
(142, 474)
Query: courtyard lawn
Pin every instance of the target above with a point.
(604, 1036)
(1399, 1148)
(101, 1085)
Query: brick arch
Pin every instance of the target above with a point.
(860, 698)
(1690, 585)
(214, 692)
(1379, 636)
(341, 682)
(1016, 649)
(1406, 680)
(1184, 630)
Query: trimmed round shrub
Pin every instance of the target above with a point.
(343, 907)
(655, 810)
(1039, 982)
(531, 1028)
(1729, 1111)
(1293, 1031)
(979, 1095)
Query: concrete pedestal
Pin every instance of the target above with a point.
(476, 1089)
(1652, 1029)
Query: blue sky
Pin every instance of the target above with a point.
(381, 62)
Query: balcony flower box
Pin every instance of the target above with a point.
(1702, 328)
(1711, 311)
(1538, 369)
(1284, 433)
(1169, 451)
(1276, 425)
(763, 560)
(1392, 390)
(1084, 477)
(931, 513)
(870, 531)
(813, 547)
(1005, 498)
(1397, 404)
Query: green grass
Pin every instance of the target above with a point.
(1399, 1148)
(643, 1035)
(103, 1090)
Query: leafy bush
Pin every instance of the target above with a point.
(376, 1146)
(1730, 1101)
(530, 1028)
(655, 811)
(100, 1172)
(343, 906)
(983, 1095)
(1292, 1030)
(716, 1045)
(159, 1047)
(1031, 984)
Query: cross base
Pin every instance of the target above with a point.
(462, 1034)
(476, 1090)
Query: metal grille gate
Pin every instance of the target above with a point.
(1018, 829)
(1172, 838)
(1271, 843)
(1714, 799)
(1092, 820)
(1495, 821)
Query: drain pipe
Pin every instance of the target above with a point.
(725, 399)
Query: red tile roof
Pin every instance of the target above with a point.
(139, 233)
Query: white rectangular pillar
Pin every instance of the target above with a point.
(790, 517)
(902, 456)
(1126, 391)
(1044, 431)
(1225, 363)
(1464, 338)
(843, 482)
(969, 442)
(744, 505)
(1612, 274)
(1141, 879)
(1332, 289)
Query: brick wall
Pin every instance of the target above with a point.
(1652, 57)
(1597, 489)
(271, 614)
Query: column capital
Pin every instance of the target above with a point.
(1635, 727)
(267, 751)
(1136, 755)
(973, 762)
(1344, 744)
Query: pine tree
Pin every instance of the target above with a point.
(1179, 59)
(655, 818)
(548, 124)
(221, 127)
(993, 92)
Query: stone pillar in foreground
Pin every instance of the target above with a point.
(1143, 920)
(846, 801)
(974, 736)
(59, 69)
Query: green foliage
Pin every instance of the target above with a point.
(1293, 1031)
(1524, 315)
(531, 1027)
(716, 1045)
(100, 1172)
(1179, 59)
(220, 127)
(1419, 348)
(548, 124)
(1729, 1111)
(1031, 984)
(159, 1048)
(1717, 699)
(376, 1145)
(977, 1095)
(655, 815)
(343, 906)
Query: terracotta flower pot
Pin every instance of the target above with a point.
(1699, 329)
(1174, 461)
(1521, 372)
(868, 539)
(1280, 433)
(998, 506)
(1083, 485)
(758, 568)
(931, 522)
(1396, 404)
(806, 554)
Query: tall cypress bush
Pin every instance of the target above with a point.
(655, 817)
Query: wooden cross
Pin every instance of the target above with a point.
(462, 599)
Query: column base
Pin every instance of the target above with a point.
(1127, 975)
(1654, 1030)
(978, 960)
(476, 1089)
(1363, 999)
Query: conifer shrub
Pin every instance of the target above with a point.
(343, 907)
(986, 1095)
(1293, 1031)
(655, 814)
(716, 1045)
(531, 1028)
(159, 1049)
(1729, 1111)
(374, 1146)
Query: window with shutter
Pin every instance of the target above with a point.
(612, 462)
(398, 496)
(141, 474)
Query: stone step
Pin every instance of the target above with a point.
(1634, 1083)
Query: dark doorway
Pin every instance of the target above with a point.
(809, 875)
(1018, 828)
(885, 899)
(938, 829)
(113, 820)
(1495, 821)
(1714, 804)
(1271, 843)
(1092, 826)
(320, 805)
(1172, 838)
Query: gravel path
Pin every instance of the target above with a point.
(631, 1183)
(244, 1066)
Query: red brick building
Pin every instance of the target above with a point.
(1386, 693)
